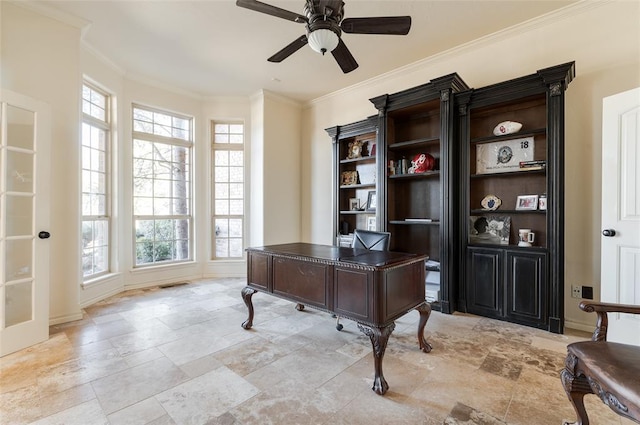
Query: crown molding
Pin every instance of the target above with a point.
(42, 8)
(536, 23)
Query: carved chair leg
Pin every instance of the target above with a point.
(576, 388)
(425, 311)
(247, 293)
(379, 338)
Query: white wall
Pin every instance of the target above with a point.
(603, 39)
(282, 167)
(275, 169)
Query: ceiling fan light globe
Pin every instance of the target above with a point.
(323, 40)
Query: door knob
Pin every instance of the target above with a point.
(44, 235)
(608, 232)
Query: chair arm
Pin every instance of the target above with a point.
(601, 309)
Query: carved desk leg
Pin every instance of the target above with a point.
(379, 338)
(425, 311)
(247, 293)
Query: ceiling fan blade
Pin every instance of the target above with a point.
(388, 25)
(289, 50)
(344, 57)
(258, 6)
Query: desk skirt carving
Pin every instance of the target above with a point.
(373, 289)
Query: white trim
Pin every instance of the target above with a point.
(44, 9)
(65, 319)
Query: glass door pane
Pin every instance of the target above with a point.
(16, 206)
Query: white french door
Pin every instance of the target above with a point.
(24, 221)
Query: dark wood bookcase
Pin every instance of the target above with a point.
(361, 186)
(416, 207)
(437, 212)
(522, 284)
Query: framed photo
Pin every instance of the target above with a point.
(371, 224)
(542, 203)
(354, 204)
(490, 229)
(372, 200)
(527, 202)
(348, 178)
(355, 149)
(503, 156)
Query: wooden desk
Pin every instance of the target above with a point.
(373, 288)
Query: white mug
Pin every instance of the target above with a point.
(526, 237)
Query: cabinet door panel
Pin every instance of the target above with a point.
(526, 287)
(484, 288)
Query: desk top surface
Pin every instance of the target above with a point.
(340, 254)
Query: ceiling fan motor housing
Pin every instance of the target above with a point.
(323, 18)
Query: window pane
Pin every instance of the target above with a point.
(235, 207)
(236, 158)
(235, 248)
(222, 190)
(222, 158)
(236, 191)
(222, 248)
(221, 207)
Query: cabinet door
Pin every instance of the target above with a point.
(527, 287)
(484, 282)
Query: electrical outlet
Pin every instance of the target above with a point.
(576, 291)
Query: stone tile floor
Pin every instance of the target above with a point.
(178, 355)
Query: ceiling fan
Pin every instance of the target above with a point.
(324, 25)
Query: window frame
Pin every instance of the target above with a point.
(105, 125)
(189, 144)
(241, 147)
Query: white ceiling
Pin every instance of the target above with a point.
(214, 48)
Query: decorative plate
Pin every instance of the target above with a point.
(490, 202)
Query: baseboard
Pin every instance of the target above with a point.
(586, 327)
(65, 319)
(100, 297)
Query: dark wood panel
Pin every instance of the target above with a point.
(402, 287)
(531, 113)
(303, 281)
(526, 286)
(353, 296)
(414, 198)
(484, 288)
(259, 270)
(418, 238)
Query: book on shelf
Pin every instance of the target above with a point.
(533, 165)
(432, 265)
(420, 220)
